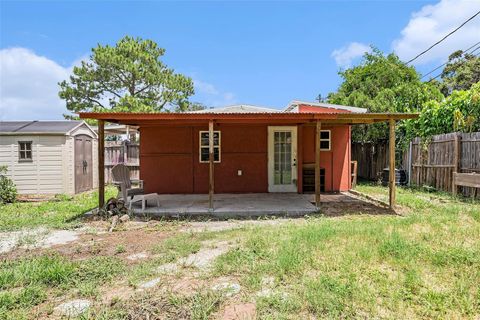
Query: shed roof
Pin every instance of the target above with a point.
(38, 127)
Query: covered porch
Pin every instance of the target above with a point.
(259, 204)
(255, 203)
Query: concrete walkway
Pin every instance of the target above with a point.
(232, 205)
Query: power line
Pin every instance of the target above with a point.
(445, 37)
(463, 51)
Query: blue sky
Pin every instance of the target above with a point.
(262, 53)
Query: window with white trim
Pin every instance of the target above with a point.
(25, 151)
(325, 140)
(205, 149)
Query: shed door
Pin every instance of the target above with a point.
(83, 163)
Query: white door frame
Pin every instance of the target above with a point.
(272, 187)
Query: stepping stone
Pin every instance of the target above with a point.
(149, 284)
(204, 257)
(73, 308)
(168, 268)
(265, 293)
(268, 293)
(137, 256)
(229, 289)
(268, 282)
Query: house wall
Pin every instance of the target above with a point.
(315, 109)
(169, 158)
(336, 161)
(42, 175)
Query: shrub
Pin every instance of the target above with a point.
(8, 190)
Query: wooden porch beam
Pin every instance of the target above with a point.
(391, 178)
(211, 159)
(101, 163)
(317, 163)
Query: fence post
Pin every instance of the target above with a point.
(125, 151)
(409, 162)
(457, 151)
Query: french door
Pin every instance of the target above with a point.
(282, 159)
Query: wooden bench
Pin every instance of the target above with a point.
(465, 180)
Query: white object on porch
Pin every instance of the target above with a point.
(144, 198)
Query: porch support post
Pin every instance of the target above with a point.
(317, 163)
(391, 179)
(211, 165)
(101, 163)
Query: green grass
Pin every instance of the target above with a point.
(421, 265)
(26, 282)
(62, 212)
(425, 264)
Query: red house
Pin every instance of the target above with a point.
(255, 150)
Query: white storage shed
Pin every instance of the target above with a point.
(49, 157)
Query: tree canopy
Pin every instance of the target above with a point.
(460, 73)
(382, 83)
(460, 111)
(126, 77)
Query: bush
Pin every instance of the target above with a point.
(8, 190)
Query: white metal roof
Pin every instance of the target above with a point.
(293, 106)
(238, 108)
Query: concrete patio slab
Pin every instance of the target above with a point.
(259, 204)
(231, 205)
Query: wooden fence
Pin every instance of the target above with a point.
(371, 159)
(429, 163)
(122, 152)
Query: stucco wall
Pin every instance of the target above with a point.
(336, 161)
(169, 158)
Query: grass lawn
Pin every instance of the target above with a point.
(424, 264)
(62, 212)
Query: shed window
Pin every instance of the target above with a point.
(25, 150)
(204, 148)
(325, 140)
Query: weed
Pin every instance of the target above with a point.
(120, 249)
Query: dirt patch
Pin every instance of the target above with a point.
(240, 311)
(350, 203)
(118, 292)
(216, 226)
(122, 244)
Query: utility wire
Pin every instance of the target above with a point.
(464, 52)
(445, 37)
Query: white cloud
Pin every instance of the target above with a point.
(432, 23)
(345, 55)
(210, 95)
(29, 86)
